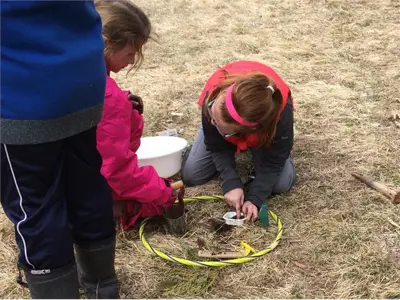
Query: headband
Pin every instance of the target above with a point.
(232, 111)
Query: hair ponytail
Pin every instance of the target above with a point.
(266, 129)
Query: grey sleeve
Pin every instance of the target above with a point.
(269, 162)
(225, 164)
(268, 167)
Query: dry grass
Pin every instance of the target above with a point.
(341, 59)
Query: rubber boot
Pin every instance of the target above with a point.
(60, 283)
(96, 270)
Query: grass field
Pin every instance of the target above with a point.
(341, 60)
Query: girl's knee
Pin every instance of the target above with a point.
(197, 169)
(191, 177)
(286, 180)
(194, 174)
(185, 174)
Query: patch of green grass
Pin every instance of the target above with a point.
(349, 238)
(362, 291)
(189, 252)
(187, 282)
(296, 292)
(393, 295)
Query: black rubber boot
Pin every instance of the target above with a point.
(96, 269)
(58, 284)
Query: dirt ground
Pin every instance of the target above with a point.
(341, 60)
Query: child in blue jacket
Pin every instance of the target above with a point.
(52, 91)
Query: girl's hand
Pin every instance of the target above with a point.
(250, 211)
(173, 196)
(235, 199)
(137, 103)
(171, 200)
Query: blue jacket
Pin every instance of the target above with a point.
(52, 70)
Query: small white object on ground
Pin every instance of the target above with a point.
(169, 132)
(230, 219)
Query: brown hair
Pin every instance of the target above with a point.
(123, 24)
(254, 102)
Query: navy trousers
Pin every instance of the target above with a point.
(55, 196)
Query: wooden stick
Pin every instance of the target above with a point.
(222, 255)
(393, 195)
(177, 185)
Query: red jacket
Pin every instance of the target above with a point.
(118, 138)
(240, 68)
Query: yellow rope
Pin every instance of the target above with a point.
(219, 263)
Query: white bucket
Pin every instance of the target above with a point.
(164, 153)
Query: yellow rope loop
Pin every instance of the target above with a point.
(219, 263)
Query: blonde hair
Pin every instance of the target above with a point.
(123, 24)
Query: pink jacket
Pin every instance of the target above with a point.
(118, 138)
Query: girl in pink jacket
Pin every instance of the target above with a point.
(137, 191)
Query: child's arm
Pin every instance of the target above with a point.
(120, 167)
(269, 162)
(223, 155)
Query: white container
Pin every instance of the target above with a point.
(164, 153)
(229, 220)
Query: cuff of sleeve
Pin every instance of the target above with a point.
(167, 182)
(255, 200)
(166, 193)
(166, 197)
(232, 184)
